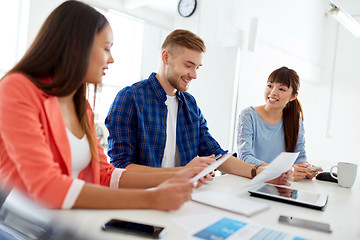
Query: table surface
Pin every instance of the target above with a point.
(342, 212)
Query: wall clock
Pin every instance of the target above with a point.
(186, 7)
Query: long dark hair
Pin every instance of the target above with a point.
(61, 51)
(293, 110)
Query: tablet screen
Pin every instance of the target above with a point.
(298, 197)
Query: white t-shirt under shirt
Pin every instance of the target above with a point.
(80, 153)
(171, 154)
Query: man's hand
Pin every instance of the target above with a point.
(190, 172)
(202, 162)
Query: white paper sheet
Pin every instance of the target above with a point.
(215, 165)
(228, 202)
(282, 163)
(211, 167)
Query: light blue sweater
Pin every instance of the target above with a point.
(263, 141)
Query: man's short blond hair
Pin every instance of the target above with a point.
(183, 38)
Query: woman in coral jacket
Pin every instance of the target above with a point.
(48, 146)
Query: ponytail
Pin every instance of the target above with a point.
(291, 124)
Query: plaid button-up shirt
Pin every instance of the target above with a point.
(137, 126)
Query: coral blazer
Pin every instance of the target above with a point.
(35, 154)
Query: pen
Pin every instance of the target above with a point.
(219, 155)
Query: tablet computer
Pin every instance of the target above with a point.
(289, 195)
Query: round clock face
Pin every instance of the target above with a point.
(186, 7)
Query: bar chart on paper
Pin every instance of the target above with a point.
(231, 229)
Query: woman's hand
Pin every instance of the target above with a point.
(301, 171)
(171, 194)
(313, 173)
(283, 179)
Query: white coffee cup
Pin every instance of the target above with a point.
(346, 174)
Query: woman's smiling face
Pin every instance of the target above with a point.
(278, 95)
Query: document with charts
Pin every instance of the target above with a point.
(227, 228)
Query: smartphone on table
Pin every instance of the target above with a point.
(314, 225)
(143, 230)
(314, 168)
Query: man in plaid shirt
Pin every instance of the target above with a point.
(155, 123)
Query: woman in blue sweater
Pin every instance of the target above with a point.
(276, 126)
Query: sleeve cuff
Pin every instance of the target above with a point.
(73, 193)
(257, 162)
(115, 177)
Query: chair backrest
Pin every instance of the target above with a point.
(3, 195)
(23, 219)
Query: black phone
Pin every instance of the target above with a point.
(324, 227)
(143, 230)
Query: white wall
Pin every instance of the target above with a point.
(334, 133)
(39, 11)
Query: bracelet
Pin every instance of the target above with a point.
(253, 171)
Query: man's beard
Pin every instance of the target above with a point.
(175, 83)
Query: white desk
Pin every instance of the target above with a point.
(342, 212)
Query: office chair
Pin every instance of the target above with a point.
(22, 219)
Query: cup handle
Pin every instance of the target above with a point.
(331, 173)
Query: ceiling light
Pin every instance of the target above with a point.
(345, 19)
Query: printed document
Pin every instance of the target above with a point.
(282, 163)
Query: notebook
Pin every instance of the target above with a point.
(228, 202)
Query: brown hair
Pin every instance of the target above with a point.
(293, 110)
(61, 51)
(183, 38)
